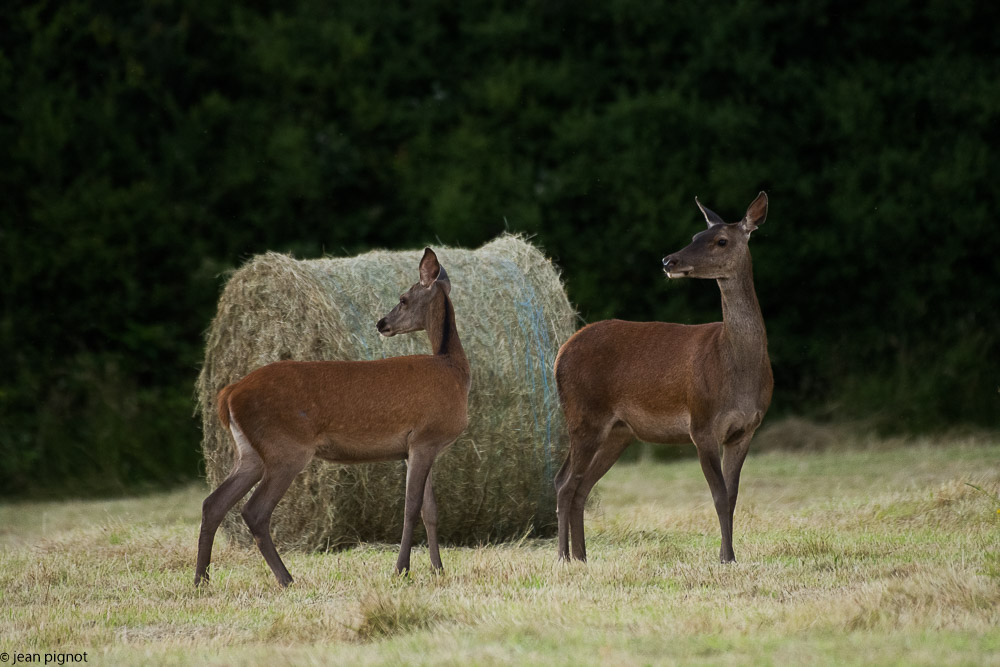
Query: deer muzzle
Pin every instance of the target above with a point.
(673, 268)
(384, 329)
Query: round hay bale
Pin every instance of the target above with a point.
(495, 482)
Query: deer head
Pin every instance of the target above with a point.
(721, 251)
(410, 314)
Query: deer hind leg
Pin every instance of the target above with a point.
(584, 441)
(278, 476)
(582, 447)
(564, 498)
(711, 466)
(429, 515)
(246, 472)
(588, 460)
(607, 453)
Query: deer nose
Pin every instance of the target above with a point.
(669, 262)
(380, 325)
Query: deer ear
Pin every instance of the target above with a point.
(431, 271)
(756, 213)
(429, 268)
(711, 217)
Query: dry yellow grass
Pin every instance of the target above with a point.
(872, 555)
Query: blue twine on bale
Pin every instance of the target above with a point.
(531, 321)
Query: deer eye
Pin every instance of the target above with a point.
(721, 242)
(402, 300)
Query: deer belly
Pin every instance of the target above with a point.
(363, 450)
(665, 429)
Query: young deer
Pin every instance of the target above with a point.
(283, 414)
(670, 383)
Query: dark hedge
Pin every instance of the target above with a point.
(148, 147)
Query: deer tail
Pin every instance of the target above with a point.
(223, 404)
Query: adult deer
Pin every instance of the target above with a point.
(670, 383)
(283, 414)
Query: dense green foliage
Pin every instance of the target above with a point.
(147, 147)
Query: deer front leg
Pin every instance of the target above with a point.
(418, 467)
(429, 514)
(732, 463)
(711, 466)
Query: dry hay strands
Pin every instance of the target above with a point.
(495, 482)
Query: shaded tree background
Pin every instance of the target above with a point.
(148, 147)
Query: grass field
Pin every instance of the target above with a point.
(870, 553)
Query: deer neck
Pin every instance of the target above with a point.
(442, 331)
(744, 337)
